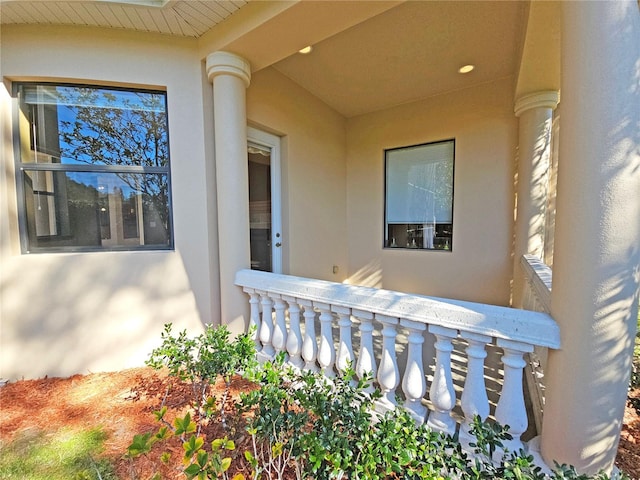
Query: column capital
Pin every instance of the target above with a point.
(226, 63)
(542, 99)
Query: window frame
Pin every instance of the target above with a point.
(386, 243)
(22, 167)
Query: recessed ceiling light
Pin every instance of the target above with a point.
(305, 50)
(466, 68)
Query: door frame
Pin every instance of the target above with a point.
(272, 142)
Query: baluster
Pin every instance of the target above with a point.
(388, 375)
(414, 384)
(511, 409)
(474, 395)
(441, 393)
(254, 319)
(366, 363)
(326, 350)
(294, 339)
(309, 345)
(266, 329)
(345, 348)
(279, 338)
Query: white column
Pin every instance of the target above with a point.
(597, 241)
(279, 338)
(326, 350)
(345, 348)
(309, 344)
(366, 363)
(535, 111)
(442, 393)
(511, 409)
(414, 383)
(254, 319)
(230, 75)
(294, 338)
(266, 327)
(474, 400)
(388, 374)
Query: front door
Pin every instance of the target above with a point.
(264, 201)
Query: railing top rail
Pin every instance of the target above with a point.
(539, 276)
(500, 322)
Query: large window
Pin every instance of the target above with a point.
(93, 168)
(419, 196)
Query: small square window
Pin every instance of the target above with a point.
(93, 168)
(419, 196)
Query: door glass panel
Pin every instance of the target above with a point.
(260, 207)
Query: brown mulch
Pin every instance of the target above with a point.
(122, 403)
(628, 459)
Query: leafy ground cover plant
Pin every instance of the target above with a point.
(277, 421)
(302, 421)
(325, 429)
(302, 425)
(199, 361)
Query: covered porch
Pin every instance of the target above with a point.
(570, 212)
(545, 177)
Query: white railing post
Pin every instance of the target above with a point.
(309, 344)
(511, 408)
(294, 338)
(344, 356)
(326, 349)
(266, 328)
(442, 393)
(366, 363)
(474, 395)
(539, 279)
(279, 337)
(254, 317)
(388, 374)
(414, 383)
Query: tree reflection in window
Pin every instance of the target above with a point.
(119, 135)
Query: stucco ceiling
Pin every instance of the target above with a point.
(366, 56)
(410, 52)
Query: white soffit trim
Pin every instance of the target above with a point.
(184, 18)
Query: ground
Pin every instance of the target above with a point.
(123, 404)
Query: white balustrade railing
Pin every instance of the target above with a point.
(538, 276)
(389, 330)
(537, 297)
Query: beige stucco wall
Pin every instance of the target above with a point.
(78, 312)
(67, 313)
(313, 173)
(479, 266)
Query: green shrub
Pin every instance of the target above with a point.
(325, 429)
(303, 421)
(319, 428)
(200, 361)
